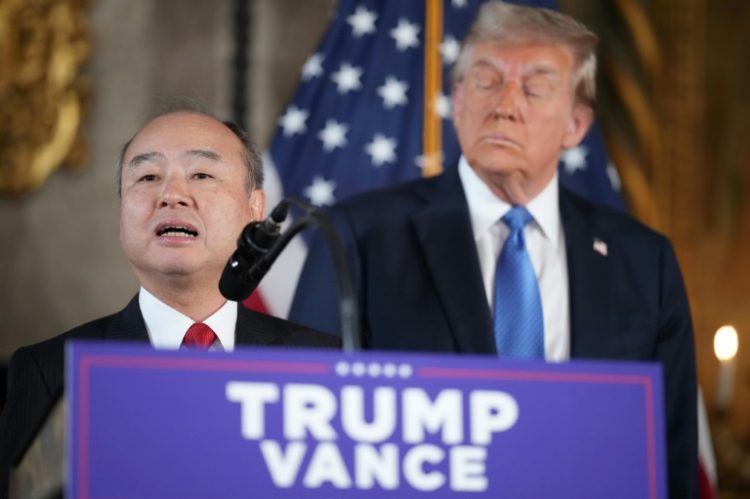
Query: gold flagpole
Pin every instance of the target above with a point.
(433, 83)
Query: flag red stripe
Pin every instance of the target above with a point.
(256, 302)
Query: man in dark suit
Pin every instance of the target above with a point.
(428, 257)
(188, 185)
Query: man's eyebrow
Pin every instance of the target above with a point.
(483, 62)
(543, 69)
(146, 157)
(203, 153)
(540, 68)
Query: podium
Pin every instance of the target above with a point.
(276, 423)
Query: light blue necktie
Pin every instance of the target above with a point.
(519, 326)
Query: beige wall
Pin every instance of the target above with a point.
(60, 261)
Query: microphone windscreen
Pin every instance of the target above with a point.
(232, 285)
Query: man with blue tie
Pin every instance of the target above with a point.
(494, 256)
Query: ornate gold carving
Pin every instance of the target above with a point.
(636, 147)
(43, 44)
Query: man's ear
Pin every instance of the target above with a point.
(579, 123)
(257, 202)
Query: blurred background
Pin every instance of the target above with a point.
(79, 77)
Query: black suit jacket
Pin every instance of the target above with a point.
(416, 270)
(36, 372)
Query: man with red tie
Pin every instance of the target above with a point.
(188, 185)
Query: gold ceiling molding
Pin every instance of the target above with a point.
(43, 45)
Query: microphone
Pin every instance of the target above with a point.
(259, 245)
(242, 273)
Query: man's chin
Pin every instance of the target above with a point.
(171, 269)
(497, 160)
(497, 166)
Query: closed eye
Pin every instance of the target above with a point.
(538, 89)
(540, 85)
(485, 78)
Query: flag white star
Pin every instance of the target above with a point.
(449, 50)
(347, 78)
(443, 106)
(333, 135)
(320, 192)
(459, 4)
(362, 21)
(313, 67)
(405, 34)
(575, 158)
(382, 150)
(422, 160)
(614, 177)
(393, 92)
(293, 121)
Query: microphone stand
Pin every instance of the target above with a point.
(315, 217)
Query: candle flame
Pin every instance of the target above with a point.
(726, 343)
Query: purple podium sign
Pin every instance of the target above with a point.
(273, 423)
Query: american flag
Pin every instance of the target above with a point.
(357, 122)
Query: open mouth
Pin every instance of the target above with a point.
(169, 230)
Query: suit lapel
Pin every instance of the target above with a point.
(444, 231)
(128, 324)
(589, 278)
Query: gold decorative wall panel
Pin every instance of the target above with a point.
(43, 45)
(675, 108)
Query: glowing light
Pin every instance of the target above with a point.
(726, 343)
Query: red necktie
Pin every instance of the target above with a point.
(199, 336)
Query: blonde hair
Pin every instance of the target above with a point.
(504, 23)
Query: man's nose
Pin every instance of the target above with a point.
(175, 192)
(508, 101)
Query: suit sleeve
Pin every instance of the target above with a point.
(676, 352)
(28, 401)
(316, 299)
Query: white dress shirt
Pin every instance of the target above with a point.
(545, 242)
(167, 327)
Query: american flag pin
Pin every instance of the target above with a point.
(600, 246)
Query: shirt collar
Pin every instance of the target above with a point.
(166, 326)
(485, 208)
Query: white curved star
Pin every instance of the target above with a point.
(443, 106)
(423, 160)
(313, 67)
(449, 49)
(613, 176)
(347, 78)
(405, 34)
(362, 21)
(393, 92)
(382, 150)
(333, 135)
(574, 158)
(293, 121)
(320, 192)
